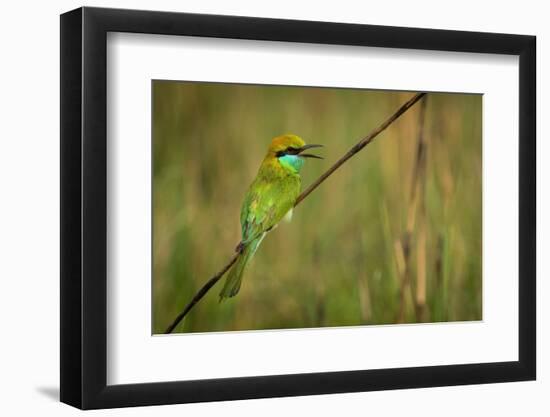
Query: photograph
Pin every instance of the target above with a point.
(392, 236)
(260, 206)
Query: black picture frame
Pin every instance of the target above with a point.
(84, 207)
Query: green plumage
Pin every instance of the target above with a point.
(270, 196)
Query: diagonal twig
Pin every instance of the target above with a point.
(202, 292)
(355, 149)
(360, 145)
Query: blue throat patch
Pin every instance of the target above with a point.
(292, 162)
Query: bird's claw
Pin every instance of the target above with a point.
(239, 247)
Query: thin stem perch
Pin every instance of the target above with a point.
(355, 149)
(359, 145)
(202, 292)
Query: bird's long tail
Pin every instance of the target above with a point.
(233, 281)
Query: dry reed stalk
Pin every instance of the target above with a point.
(420, 302)
(421, 271)
(416, 205)
(439, 262)
(401, 265)
(364, 297)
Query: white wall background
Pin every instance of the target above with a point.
(29, 209)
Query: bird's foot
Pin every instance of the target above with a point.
(239, 248)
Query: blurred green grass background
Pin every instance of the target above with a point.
(337, 263)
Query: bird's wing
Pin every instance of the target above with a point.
(258, 211)
(265, 204)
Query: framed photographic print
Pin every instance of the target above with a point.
(258, 207)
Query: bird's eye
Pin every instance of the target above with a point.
(288, 151)
(291, 150)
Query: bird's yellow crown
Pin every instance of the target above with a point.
(283, 142)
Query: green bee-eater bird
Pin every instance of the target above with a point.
(269, 198)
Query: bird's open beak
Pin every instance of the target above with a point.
(308, 155)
